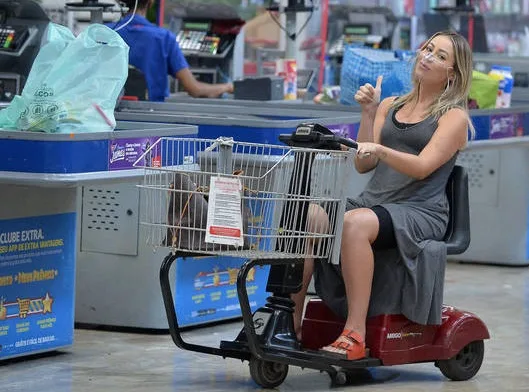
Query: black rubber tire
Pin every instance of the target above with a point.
(340, 378)
(267, 374)
(465, 364)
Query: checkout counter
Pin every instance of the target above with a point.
(64, 195)
(256, 123)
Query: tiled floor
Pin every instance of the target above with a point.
(116, 362)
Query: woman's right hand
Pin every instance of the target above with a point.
(368, 97)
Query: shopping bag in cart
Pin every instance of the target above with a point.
(187, 215)
(364, 65)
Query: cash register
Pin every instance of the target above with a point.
(196, 38)
(207, 36)
(355, 34)
(12, 38)
(22, 25)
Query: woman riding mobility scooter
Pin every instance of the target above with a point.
(268, 339)
(456, 346)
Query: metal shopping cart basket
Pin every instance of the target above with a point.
(258, 202)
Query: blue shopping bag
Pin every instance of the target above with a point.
(363, 65)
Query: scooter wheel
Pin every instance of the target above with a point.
(465, 364)
(340, 378)
(267, 374)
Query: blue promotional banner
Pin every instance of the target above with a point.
(37, 276)
(206, 289)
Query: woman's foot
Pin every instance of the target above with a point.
(349, 345)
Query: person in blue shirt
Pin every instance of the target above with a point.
(156, 53)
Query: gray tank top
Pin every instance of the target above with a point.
(389, 186)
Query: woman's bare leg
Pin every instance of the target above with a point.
(359, 232)
(299, 297)
(318, 222)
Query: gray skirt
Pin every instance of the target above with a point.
(408, 280)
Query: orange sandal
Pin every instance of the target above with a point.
(349, 345)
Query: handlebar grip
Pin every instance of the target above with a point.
(346, 142)
(285, 138)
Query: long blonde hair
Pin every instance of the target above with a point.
(456, 93)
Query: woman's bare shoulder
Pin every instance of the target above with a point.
(455, 114)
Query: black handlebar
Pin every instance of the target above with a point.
(316, 136)
(346, 142)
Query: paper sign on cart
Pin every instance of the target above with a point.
(224, 224)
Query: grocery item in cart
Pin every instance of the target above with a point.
(187, 214)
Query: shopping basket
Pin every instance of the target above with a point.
(264, 218)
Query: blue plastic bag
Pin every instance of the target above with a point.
(364, 65)
(73, 85)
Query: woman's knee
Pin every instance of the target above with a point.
(360, 224)
(318, 220)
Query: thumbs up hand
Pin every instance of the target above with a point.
(368, 96)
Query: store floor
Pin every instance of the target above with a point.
(123, 362)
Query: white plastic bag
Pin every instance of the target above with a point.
(74, 83)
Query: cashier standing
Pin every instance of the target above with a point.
(155, 52)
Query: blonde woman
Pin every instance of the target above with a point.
(392, 256)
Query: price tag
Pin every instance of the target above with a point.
(224, 223)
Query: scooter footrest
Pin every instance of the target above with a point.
(234, 345)
(360, 363)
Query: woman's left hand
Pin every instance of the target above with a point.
(366, 150)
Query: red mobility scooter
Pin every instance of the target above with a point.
(268, 340)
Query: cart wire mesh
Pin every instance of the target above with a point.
(291, 200)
